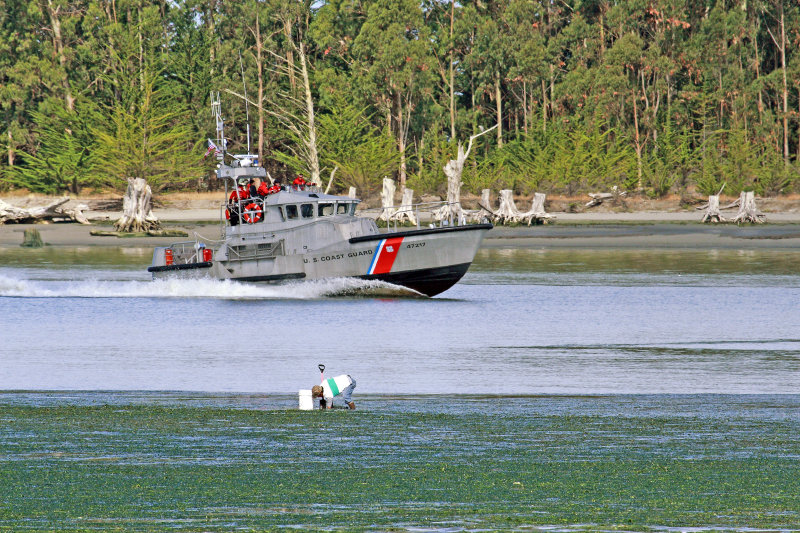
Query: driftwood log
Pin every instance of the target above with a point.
(406, 211)
(55, 210)
(137, 208)
(598, 198)
(387, 199)
(748, 212)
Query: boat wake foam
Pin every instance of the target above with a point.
(201, 288)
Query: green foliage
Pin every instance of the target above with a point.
(368, 162)
(64, 159)
(698, 90)
(672, 160)
(146, 138)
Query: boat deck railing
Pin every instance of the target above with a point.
(187, 252)
(424, 214)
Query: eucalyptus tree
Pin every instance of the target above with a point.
(394, 65)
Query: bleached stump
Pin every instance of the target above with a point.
(406, 210)
(137, 208)
(712, 212)
(387, 199)
(485, 211)
(748, 212)
(352, 193)
(55, 210)
(537, 214)
(453, 170)
(508, 212)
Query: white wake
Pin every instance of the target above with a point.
(201, 288)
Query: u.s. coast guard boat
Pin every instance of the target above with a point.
(296, 232)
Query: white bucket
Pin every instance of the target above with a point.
(306, 401)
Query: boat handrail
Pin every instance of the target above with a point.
(436, 214)
(186, 252)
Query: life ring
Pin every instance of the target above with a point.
(252, 213)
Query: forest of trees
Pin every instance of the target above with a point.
(662, 96)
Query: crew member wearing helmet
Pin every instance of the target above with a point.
(332, 387)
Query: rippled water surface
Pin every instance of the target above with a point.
(521, 322)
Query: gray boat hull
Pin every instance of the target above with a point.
(429, 260)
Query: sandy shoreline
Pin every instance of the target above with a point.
(571, 230)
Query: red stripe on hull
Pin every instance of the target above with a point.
(388, 254)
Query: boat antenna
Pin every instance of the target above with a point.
(246, 105)
(216, 110)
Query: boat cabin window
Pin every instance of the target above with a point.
(307, 210)
(341, 209)
(353, 209)
(291, 212)
(325, 210)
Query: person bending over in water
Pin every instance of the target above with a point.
(330, 388)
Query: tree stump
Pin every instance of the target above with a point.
(137, 208)
(453, 169)
(55, 210)
(537, 214)
(406, 211)
(32, 239)
(748, 212)
(485, 211)
(712, 212)
(387, 199)
(508, 212)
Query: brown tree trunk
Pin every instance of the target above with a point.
(58, 43)
(544, 107)
(11, 154)
(452, 75)
(785, 93)
(499, 104)
(401, 140)
(525, 107)
(638, 143)
(287, 30)
(312, 129)
(260, 73)
(758, 75)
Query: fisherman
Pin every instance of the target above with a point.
(329, 388)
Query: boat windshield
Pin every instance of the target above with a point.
(325, 210)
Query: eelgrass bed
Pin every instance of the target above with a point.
(192, 462)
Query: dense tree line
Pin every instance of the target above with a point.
(658, 95)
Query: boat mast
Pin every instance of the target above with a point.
(216, 110)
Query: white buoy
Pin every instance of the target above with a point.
(306, 401)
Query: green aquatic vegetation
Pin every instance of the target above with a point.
(484, 463)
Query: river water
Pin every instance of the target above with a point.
(522, 321)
